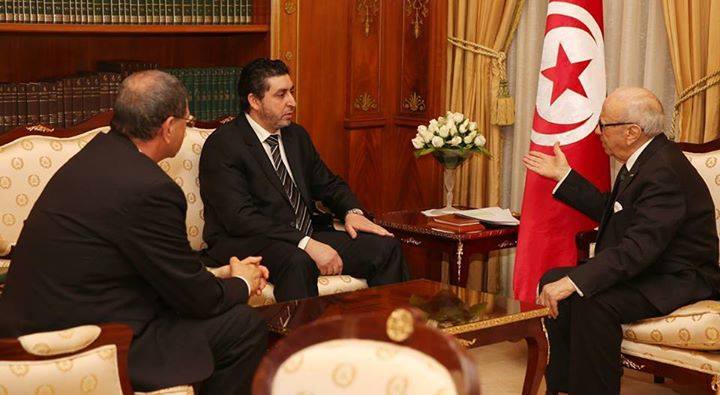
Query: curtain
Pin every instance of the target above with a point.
(693, 31)
(491, 24)
(636, 53)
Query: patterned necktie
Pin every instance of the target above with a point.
(302, 214)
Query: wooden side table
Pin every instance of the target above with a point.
(411, 227)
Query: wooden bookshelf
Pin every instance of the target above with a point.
(130, 29)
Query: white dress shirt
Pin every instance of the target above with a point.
(628, 165)
(262, 135)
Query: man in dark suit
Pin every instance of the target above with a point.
(657, 245)
(260, 176)
(106, 242)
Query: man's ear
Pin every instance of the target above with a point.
(254, 101)
(166, 129)
(632, 134)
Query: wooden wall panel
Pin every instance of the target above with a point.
(322, 77)
(25, 54)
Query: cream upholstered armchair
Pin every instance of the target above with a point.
(87, 359)
(685, 344)
(367, 354)
(30, 156)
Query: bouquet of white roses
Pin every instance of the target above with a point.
(451, 132)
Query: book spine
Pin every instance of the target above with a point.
(249, 12)
(44, 103)
(142, 12)
(33, 103)
(77, 100)
(58, 97)
(21, 105)
(106, 11)
(208, 12)
(114, 11)
(67, 94)
(52, 110)
(169, 12)
(4, 107)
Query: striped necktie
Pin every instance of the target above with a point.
(302, 214)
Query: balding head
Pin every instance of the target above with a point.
(145, 100)
(636, 105)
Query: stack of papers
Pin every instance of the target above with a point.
(490, 215)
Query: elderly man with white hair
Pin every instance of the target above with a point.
(657, 245)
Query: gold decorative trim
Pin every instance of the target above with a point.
(227, 119)
(365, 102)
(630, 364)
(509, 319)
(400, 325)
(288, 55)
(39, 128)
(418, 9)
(414, 103)
(466, 343)
(290, 7)
(367, 9)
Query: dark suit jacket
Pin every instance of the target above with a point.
(663, 242)
(243, 195)
(106, 242)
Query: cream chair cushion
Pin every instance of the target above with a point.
(91, 372)
(702, 361)
(695, 327)
(179, 390)
(26, 165)
(358, 366)
(327, 285)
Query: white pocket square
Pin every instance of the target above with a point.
(617, 207)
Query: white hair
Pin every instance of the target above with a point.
(643, 108)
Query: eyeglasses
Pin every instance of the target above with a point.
(189, 121)
(607, 125)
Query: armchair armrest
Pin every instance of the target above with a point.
(582, 241)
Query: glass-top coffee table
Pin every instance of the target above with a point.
(473, 317)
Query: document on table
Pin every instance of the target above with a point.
(491, 215)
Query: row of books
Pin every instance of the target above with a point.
(57, 103)
(68, 101)
(158, 12)
(213, 91)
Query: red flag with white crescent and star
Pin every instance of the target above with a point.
(571, 90)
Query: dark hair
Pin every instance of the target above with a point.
(253, 79)
(145, 100)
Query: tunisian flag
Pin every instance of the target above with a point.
(571, 90)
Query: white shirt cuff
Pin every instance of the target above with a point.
(579, 292)
(303, 242)
(246, 283)
(560, 182)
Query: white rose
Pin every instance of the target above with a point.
(433, 122)
(441, 120)
(459, 131)
(472, 126)
(437, 142)
(458, 117)
(427, 136)
(418, 142)
(443, 131)
(472, 135)
(456, 141)
(468, 139)
(422, 129)
(448, 114)
(480, 140)
(465, 123)
(433, 127)
(453, 131)
(463, 128)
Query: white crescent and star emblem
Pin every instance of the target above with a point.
(571, 87)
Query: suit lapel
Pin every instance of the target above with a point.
(294, 158)
(647, 153)
(258, 152)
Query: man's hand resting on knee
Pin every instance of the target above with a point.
(326, 258)
(554, 292)
(359, 223)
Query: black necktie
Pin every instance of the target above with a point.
(302, 214)
(622, 175)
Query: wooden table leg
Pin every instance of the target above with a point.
(537, 357)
